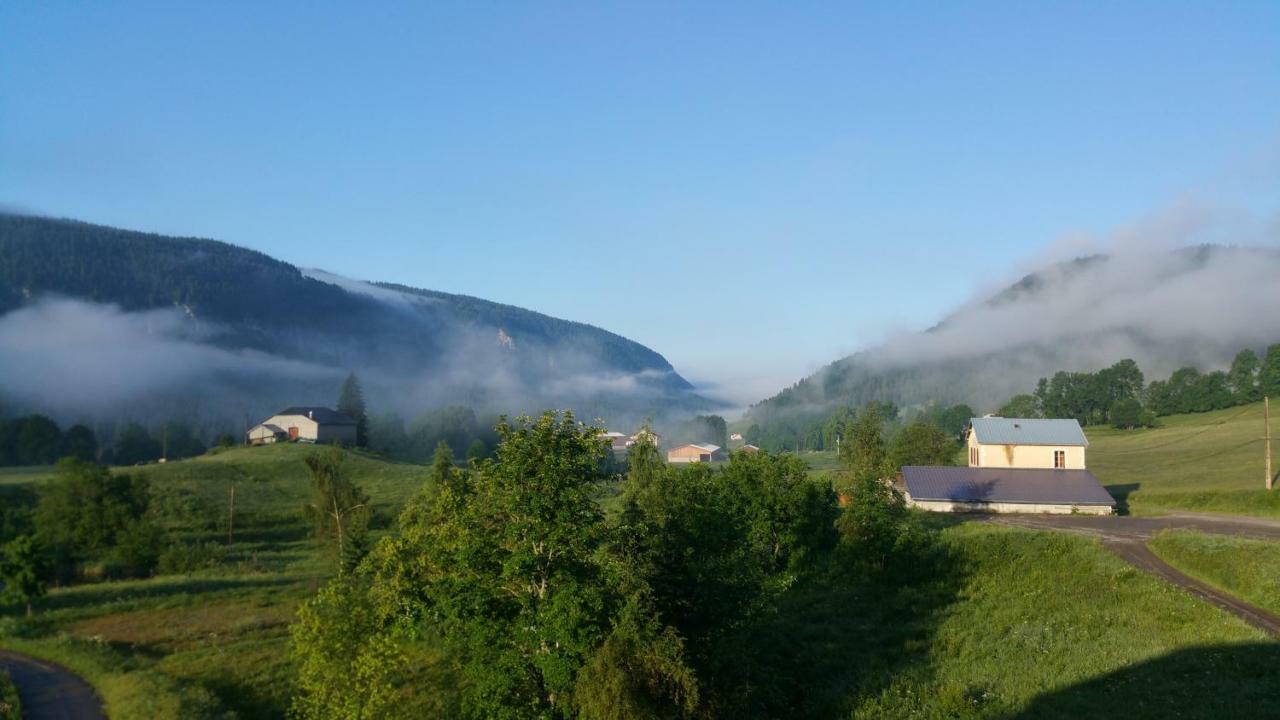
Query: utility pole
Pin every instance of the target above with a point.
(1266, 423)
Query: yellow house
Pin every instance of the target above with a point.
(1030, 443)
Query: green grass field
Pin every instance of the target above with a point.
(1248, 569)
(1037, 616)
(1202, 461)
(194, 646)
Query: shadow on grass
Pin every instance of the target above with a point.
(836, 636)
(92, 595)
(1121, 493)
(1221, 681)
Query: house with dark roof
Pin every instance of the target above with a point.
(1028, 465)
(305, 424)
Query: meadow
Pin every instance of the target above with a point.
(990, 623)
(1208, 462)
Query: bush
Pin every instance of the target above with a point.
(137, 551)
(187, 558)
(10, 707)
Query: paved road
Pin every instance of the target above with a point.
(1127, 537)
(49, 692)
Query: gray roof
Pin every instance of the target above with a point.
(1028, 431)
(1005, 485)
(321, 415)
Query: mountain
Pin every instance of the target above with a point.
(100, 321)
(1166, 309)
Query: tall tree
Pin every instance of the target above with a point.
(1243, 377)
(863, 447)
(39, 441)
(921, 444)
(339, 509)
(1269, 376)
(351, 403)
(80, 443)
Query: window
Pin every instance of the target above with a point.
(973, 457)
(1059, 459)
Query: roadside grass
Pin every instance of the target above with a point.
(1208, 462)
(10, 706)
(1038, 615)
(1248, 569)
(212, 643)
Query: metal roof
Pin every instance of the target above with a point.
(708, 447)
(1005, 485)
(321, 415)
(1028, 431)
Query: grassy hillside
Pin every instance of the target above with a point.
(1036, 616)
(192, 646)
(1202, 461)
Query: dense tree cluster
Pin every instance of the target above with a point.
(1117, 396)
(550, 605)
(37, 440)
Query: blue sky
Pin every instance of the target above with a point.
(753, 189)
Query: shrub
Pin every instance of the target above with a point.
(10, 707)
(186, 558)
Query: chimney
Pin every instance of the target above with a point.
(311, 414)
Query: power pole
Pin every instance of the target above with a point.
(1266, 423)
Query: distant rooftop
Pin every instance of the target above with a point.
(1028, 431)
(322, 415)
(705, 446)
(1005, 485)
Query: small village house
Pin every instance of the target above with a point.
(749, 449)
(695, 452)
(996, 442)
(1026, 465)
(305, 424)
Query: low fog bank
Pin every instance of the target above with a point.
(1165, 308)
(80, 361)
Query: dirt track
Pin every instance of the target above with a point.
(1127, 536)
(49, 692)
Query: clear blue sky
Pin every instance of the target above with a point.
(751, 189)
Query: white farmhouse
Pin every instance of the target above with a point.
(305, 424)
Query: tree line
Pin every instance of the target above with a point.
(1118, 396)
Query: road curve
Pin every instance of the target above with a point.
(49, 692)
(1127, 537)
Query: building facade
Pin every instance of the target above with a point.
(1032, 443)
(305, 424)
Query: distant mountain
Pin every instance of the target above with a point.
(96, 320)
(1165, 309)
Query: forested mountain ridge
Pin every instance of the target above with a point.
(1193, 306)
(299, 331)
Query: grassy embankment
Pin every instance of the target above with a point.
(1248, 569)
(194, 645)
(1208, 462)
